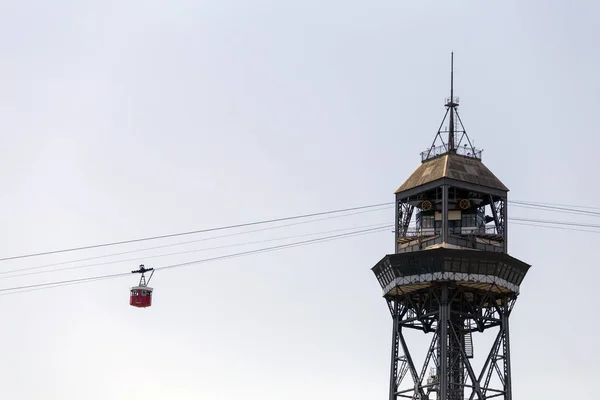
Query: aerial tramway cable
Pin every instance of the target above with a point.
(193, 232)
(527, 204)
(515, 220)
(5, 274)
(204, 239)
(379, 226)
(540, 206)
(20, 289)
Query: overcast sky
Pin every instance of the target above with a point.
(121, 120)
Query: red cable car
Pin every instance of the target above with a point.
(141, 296)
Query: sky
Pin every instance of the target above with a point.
(122, 120)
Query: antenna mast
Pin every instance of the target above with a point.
(458, 140)
(452, 105)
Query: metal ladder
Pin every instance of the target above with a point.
(468, 344)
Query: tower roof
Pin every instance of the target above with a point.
(452, 155)
(453, 166)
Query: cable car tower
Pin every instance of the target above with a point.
(451, 275)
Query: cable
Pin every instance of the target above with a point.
(381, 225)
(550, 210)
(553, 208)
(192, 232)
(543, 206)
(521, 204)
(182, 243)
(283, 246)
(11, 290)
(568, 206)
(557, 222)
(28, 288)
(20, 289)
(515, 202)
(217, 248)
(555, 227)
(71, 281)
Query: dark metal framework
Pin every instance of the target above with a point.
(143, 271)
(452, 314)
(499, 210)
(451, 294)
(404, 213)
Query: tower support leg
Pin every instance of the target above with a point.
(450, 313)
(506, 350)
(394, 361)
(443, 348)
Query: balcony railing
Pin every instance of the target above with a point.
(465, 230)
(437, 151)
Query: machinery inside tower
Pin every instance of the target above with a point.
(474, 220)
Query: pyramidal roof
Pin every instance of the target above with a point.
(453, 166)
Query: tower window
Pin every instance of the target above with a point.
(454, 226)
(425, 220)
(469, 220)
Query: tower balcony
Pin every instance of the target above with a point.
(484, 238)
(404, 273)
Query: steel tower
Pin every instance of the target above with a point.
(451, 275)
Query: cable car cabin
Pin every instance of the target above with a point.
(140, 296)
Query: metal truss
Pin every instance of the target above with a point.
(498, 212)
(451, 314)
(500, 215)
(404, 212)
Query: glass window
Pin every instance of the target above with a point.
(454, 226)
(427, 221)
(480, 218)
(469, 220)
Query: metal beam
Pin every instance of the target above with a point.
(506, 350)
(505, 223)
(394, 360)
(445, 213)
(443, 340)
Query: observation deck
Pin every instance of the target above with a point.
(405, 273)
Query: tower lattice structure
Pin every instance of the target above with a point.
(451, 276)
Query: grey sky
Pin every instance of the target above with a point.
(130, 119)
